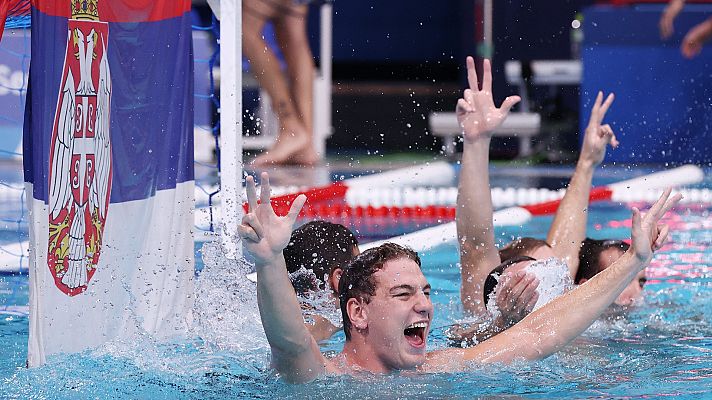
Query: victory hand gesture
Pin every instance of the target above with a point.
(647, 235)
(476, 111)
(597, 136)
(264, 233)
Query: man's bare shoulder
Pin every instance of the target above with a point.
(335, 364)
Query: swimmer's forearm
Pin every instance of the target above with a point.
(705, 29)
(571, 314)
(295, 354)
(674, 7)
(550, 328)
(280, 311)
(475, 230)
(568, 230)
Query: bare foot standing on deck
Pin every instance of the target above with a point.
(291, 95)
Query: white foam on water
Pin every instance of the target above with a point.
(226, 313)
(554, 280)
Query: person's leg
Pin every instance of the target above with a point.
(290, 28)
(293, 136)
(291, 33)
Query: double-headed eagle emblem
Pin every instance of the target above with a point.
(80, 153)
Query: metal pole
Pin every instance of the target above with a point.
(322, 87)
(231, 124)
(487, 42)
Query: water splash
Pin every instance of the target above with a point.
(554, 280)
(317, 302)
(226, 313)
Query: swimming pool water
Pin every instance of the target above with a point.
(661, 348)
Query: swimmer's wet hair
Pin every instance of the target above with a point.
(358, 281)
(590, 256)
(321, 247)
(521, 247)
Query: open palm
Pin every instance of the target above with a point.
(476, 111)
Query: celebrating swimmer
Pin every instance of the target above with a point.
(515, 294)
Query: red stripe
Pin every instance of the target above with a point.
(337, 211)
(121, 10)
(313, 209)
(335, 191)
(600, 194)
(3, 14)
(550, 207)
(17, 8)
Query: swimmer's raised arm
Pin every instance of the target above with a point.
(295, 353)
(551, 327)
(668, 17)
(568, 230)
(478, 117)
(696, 37)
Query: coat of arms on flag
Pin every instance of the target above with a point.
(80, 152)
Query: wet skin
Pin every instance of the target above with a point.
(630, 295)
(384, 327)
(634, 291)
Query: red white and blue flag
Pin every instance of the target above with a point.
(108, 159)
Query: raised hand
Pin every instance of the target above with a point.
(476, 111)
(597, 136)
(666, 25)
(668, 16)
(646, 234)
(264, 233)
(516, 296)
(694, 40)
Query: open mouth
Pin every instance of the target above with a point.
(415, 334)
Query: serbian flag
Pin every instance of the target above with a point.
(108, 160)
(4, 5)
(12, 9)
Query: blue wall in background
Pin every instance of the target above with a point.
(663, 107)
(416, 30)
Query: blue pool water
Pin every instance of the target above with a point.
(662, 348)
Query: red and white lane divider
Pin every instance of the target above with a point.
(419, 186)
(439, 203)
(434, 174)
(429, 238)
(631, 189)
(13, 256)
